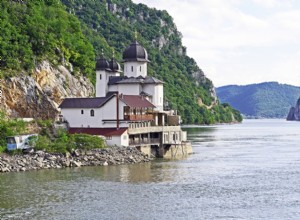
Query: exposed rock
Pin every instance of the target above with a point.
(42, 160)
(76, 163)
(294, 114)
(39, 95)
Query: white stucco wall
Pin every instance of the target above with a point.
(76, 119)
(101, 84)
(109, 112)
(135, 69)
(113, 88)
(157, 92)
(129, 89)
(122, 140)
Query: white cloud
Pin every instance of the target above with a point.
(239, 41)
(273, 3)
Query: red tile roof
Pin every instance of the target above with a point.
(136, 101)
(98, 131)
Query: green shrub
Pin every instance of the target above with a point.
(9, 127)
(86, 142)
(64, 142)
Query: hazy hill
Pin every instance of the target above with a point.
(50, 37)
(269, 99)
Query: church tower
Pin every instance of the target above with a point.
(102, 70)
(105, 70)
(135, 60)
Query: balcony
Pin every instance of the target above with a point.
(144, 141)
(138, 117)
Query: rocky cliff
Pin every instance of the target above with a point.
(39, 95)
(294, 114)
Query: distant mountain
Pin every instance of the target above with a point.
(267, 100)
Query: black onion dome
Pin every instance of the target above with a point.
(102, 64)
(114, 65)
(135, 52)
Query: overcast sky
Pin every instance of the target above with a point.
(240, 41)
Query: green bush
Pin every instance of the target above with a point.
(64, 142)
(9, 127)
(86, 142)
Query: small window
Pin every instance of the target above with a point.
(140, 68)
(92, 113)
(82, 112)
(108, 137)
(131, 68)
(125, 137)
(100, 76)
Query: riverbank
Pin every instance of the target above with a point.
(97, 157)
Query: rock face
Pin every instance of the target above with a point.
(39, 95)
(98, 157)
(294, 114)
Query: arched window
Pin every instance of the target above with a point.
(92, 113)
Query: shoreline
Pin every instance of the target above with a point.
(97, 157)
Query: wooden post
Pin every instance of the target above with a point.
(118, 118)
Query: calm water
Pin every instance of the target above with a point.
(244, 171)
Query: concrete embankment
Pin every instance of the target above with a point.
(97, 157)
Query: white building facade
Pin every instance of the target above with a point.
(128, 108)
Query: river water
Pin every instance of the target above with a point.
(242, 171)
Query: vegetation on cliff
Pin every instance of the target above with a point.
(74, 32)
(49, 139)
(33, 31)
(267, 100)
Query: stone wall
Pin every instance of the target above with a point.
(178, 151)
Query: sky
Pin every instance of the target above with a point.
(239, 41)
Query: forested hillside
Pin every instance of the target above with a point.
(268, 100)
(73, 32)
(33, 31)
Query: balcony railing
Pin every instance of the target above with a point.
(138, 117)
(144, 141)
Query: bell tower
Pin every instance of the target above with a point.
(102, 71)
(135, 59)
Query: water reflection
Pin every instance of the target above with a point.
(159, 171)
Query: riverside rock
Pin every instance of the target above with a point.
(97, 157)
(294, 114)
